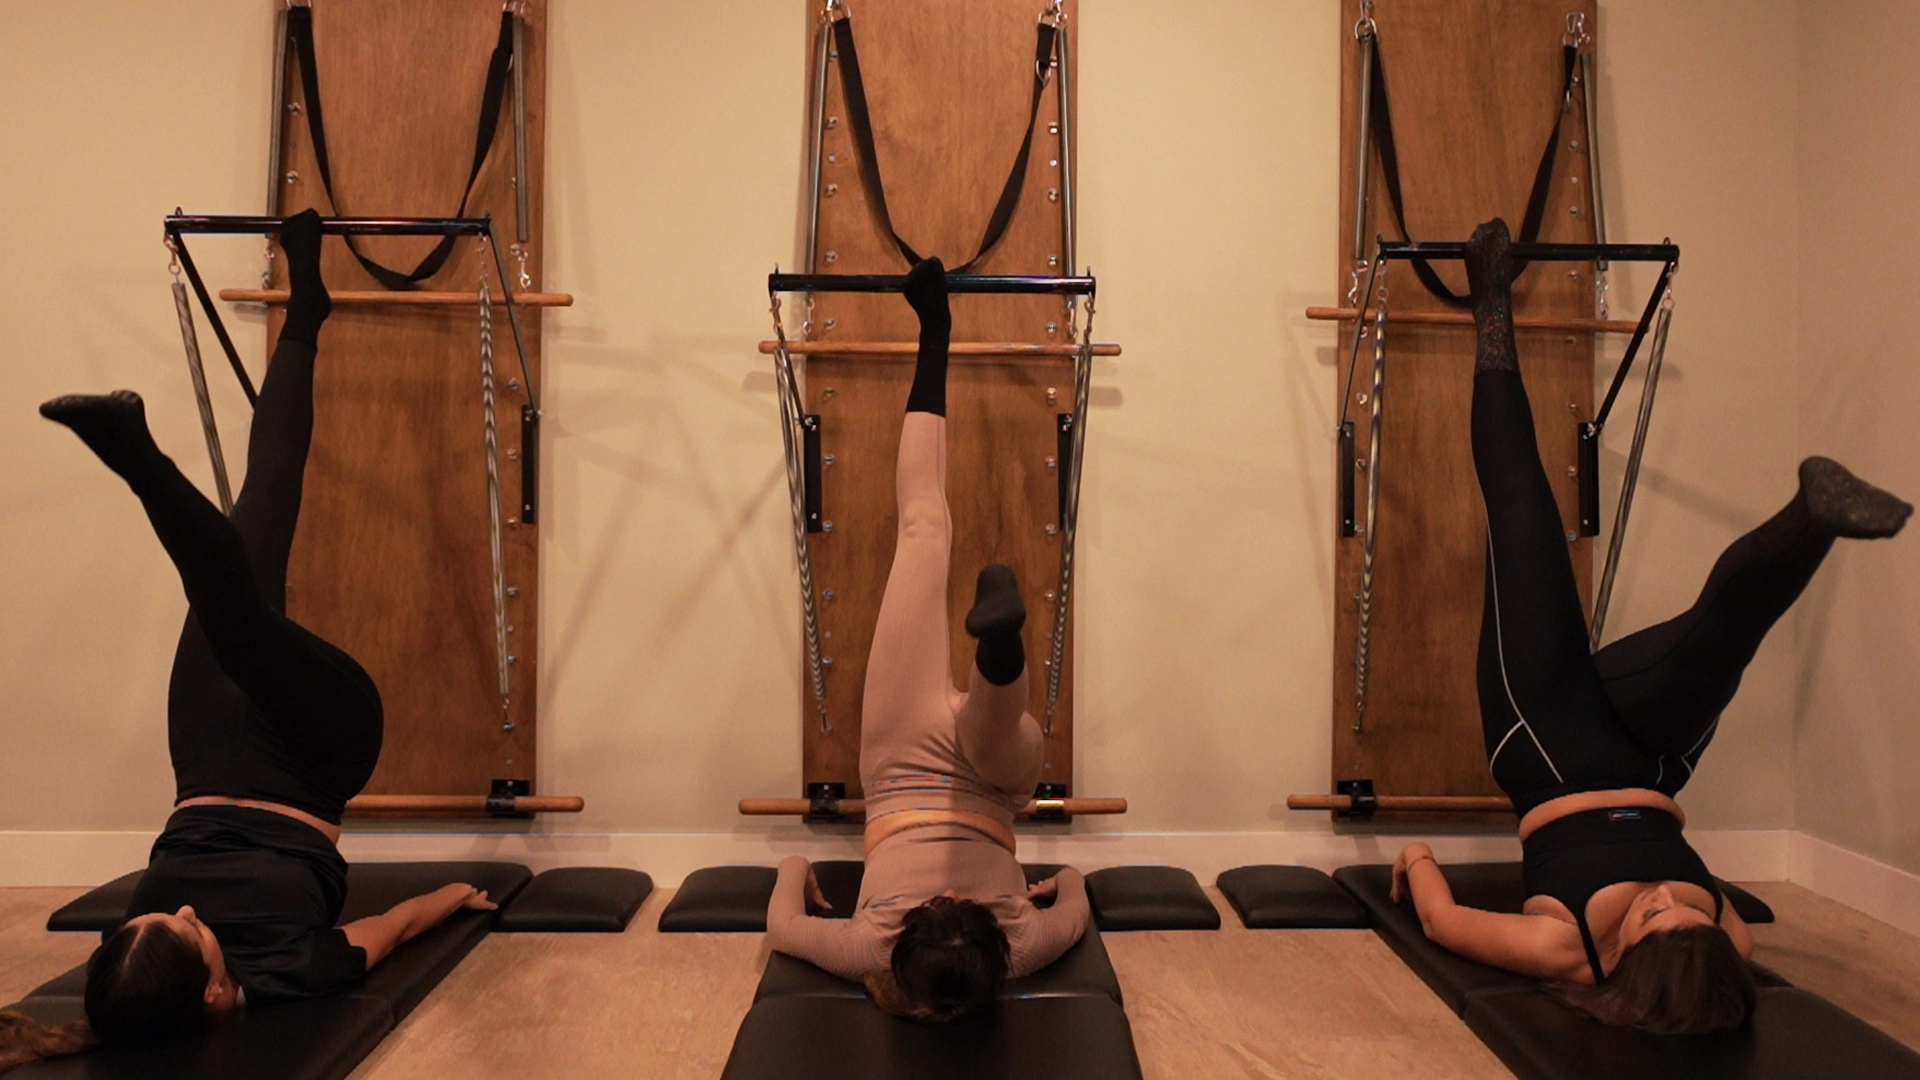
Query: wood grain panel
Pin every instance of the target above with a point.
(949, 83)
(1475, 86)
(391, 560)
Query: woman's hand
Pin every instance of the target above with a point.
(476, 900)
(1043, 890)
(794, 864)
(1409, 855)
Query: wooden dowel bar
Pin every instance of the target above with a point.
(402, 299)
(1410, 804)
(854, 809)
(465, 804)
(1461, 318)
(911, 348)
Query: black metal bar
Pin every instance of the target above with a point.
(213, 316)
(529, 464)
(1348, 527)
(1633, 344)
(810, 435)
(957, 283)
(1456, 249)
(1589, 466)
(248, 225)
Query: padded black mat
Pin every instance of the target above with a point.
(321, 1039)
(1794, 1035)
(1082, 971)
(310, 1040)
(1290, 898)
(814, 1038)
(1150, 898)
(1492, 886)
(576, 900)
(98, 910)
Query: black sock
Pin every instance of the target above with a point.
(308, 305)
(926, 290)
(1490, 276)
(996, 619)
(1841, 504)
(114, 427)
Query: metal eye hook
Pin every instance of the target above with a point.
(1365, 27)
(833, 11)
(1577, 35)
(173, 255)
(1056, 13)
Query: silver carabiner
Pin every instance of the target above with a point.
(1365, 27)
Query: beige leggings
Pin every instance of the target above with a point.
(914, 725)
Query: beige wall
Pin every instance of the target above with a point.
(669, 643)
(1857, 760)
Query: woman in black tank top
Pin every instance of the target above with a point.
(1592, 746)
(239, 903)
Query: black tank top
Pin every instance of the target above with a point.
(1578, 855)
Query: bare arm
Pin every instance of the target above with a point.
(1055, 929)
(379, 935)
(1736, 928)
(1536, 945)
(843, 946)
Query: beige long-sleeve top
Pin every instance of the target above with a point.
(904, 872)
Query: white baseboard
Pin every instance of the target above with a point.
(1866, 885)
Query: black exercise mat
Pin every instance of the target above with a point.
(1150, 898)
(576, 900)
(822, 1038)
(1082, 971)
(1491, 886)
(1290, 898)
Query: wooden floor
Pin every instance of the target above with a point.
(1233, 1004)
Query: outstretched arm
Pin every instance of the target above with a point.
(1536, 945)
(379, 935)
(1054, 929)
(845, 947)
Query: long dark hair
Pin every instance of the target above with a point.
(1688, 981)
(24, 1040)
(146, 984)
(951, 958)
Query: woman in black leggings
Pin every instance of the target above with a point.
(271, 729)
(1592, 747)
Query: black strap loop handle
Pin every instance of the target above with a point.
(860, 119)
(300, 31)
(1382, 122)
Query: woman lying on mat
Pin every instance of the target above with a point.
(1592, 746)
(271, 731)
(945, 915)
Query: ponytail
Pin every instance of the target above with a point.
(24, 1040)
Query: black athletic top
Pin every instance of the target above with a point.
(1576, 856)
(270, 886)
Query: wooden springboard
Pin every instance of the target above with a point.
(949, 83)
(392, 559)
(1475, 86)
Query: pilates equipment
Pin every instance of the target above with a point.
(396, 542)
(1289, 898)
(318, 1039)
(1149, 898)
(1405, 704)
(1023, 313)
(508, 798)
(1793, 1033)
(576, 900)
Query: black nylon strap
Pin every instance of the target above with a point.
(1382, 122)
(300, 31)
(860, 119)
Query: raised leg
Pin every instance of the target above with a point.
(1670, 682)
(999, 738)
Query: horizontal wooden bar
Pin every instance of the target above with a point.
(1457, 249)
(1462, 318)
(854, 809)
(956, 283)
(381, 296)
(246, 225)
(1414, 804)
(958, 348)
(463, 804)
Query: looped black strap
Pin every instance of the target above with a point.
(1382, 122)
(860, 119)
(300, 31)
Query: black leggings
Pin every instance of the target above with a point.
(1559, 718)
(258, 707)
